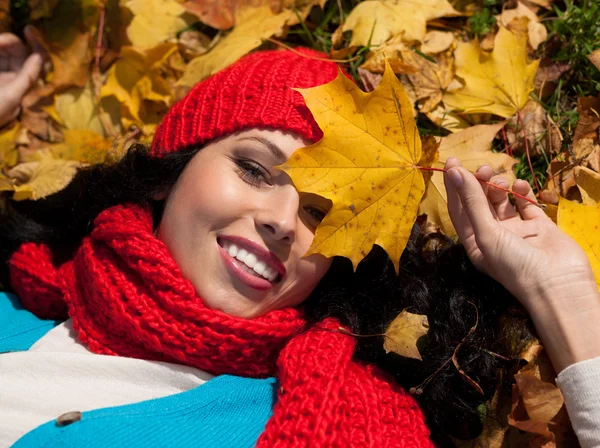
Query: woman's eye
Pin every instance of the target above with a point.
(316, 214)
(252, 172)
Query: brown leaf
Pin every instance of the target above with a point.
(542, 133)
(5, 17)
(402, 334)
(560, 182)
(589, 118)
(193, 43)
(548, 73)
(390, 51)
(536, 32)
(369, 79)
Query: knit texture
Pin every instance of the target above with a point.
(255, 92)
(127, 297)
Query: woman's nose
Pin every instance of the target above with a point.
(279, 217)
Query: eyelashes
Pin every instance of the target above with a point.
(256, 176)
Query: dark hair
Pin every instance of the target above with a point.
(436, 279)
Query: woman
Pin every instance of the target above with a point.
(191, 266)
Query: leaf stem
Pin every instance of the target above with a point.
(507, 147)
(535, 181)
(443, 170)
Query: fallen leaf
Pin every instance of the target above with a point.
(452, 120)
(5, 17)
(593, 160)
(366, 164)
(432, 79)
(8, 154)
(582, 223)
(594, 58)
(82, 145)
(369, 79)
(78, 109)
(560, 181)
(156, 21)
(402, 334)
(39, 9)
(222, 14)
(71, 64)
(253, 26)
(375, 21)
(543, 136)
(536, 32)
(138, 82)
(390, 52)
(548, 73)
(588, 182)
(583, 148)
(37, 180)
(437, 41)
(588, 108)
(497, 83)
(193, 43)
(542, 400)
(473, 146)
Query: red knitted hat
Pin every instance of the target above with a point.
(255, 92)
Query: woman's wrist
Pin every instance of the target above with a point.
(568, 322)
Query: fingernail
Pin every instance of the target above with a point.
(455, 177)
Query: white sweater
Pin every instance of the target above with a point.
(580, 385)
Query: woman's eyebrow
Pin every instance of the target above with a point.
(275, 150)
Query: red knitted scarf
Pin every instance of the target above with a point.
(127, 297)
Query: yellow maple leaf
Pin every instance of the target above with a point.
(8, 153)
(253, 25)
(77, 108)
(366, 164)
(82, 145)
(37, 180)
(499, 82)
(156, 21)
(582, 223)
(138, 82)
(473, 146)
(375, 21)
(588, 182)
(402, 334)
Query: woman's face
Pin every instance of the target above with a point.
(238, 228)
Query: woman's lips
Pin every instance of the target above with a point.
(234, 266)
(268, 257)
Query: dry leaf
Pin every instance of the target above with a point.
(37, 180)
(588, 182)
(193, 43)
(452, 120)
(138, 82)
(390, 52)
(536, 32)
(497, 83)
(77, 108)
(366, 164)
(8, 154)
(473, 146)
(375, 21)
(594, 58)
(71, 64)
(543, 136)
(156, 21)
(402, 334)
(369, 79)
(5, 17)
(436, 42)
(431, 79)
(589, 118)
(582, 223)
(82, 145)
(253, 26)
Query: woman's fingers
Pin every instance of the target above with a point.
(526, 208)
(459, 218)
(499, 200)
(474, 202)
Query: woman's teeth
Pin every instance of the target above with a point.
(250, 260)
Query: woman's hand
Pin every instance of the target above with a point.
(18, 73)
(530, 256)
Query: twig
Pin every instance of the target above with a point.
(443, 170)
(463, 374)
(96, 81)
(535, 181)
(507, 147)
(287, 47)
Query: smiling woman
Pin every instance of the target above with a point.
(142, 280)
(239, 229)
